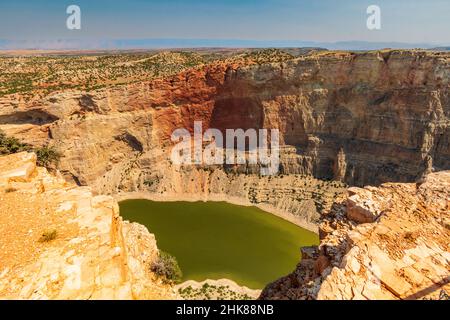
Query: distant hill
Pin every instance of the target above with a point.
(441, 49)
(128, 44)
(302, 51)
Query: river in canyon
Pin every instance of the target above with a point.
(215, 240)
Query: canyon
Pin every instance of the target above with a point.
(361, 118)
(345, 119)
(364, 118)
(387, 242)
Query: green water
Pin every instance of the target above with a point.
(218, 240)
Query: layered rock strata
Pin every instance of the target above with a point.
(358, 118)
(364, 118)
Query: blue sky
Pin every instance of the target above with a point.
(410, 21)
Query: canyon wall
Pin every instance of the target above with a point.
(358, 118)
(61, 242)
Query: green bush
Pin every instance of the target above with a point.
(10, 145)
(166, 266)
(47, 156)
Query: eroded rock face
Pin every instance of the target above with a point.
(360, 118)
(356, 117)
(87, 252)
(404, 254)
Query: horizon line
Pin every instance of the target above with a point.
(184, 43)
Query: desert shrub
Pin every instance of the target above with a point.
(166, 266)
(47, 156)
(10, 145)
(48, 235)
(10, 190)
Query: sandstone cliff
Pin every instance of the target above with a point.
(60, 242)
(387, 111)
(360, 118)
(390, 242)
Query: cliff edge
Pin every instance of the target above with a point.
(387, 242)
(60, 242)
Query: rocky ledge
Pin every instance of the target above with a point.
(60, 242)
(390, 242)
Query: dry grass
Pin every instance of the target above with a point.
(48, 235)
